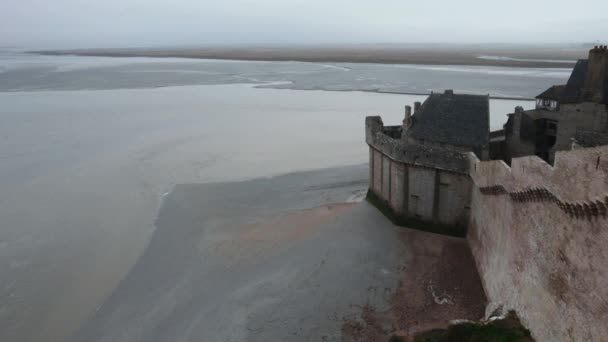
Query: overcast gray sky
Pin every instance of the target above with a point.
(120, 23)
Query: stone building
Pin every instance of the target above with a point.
(538, 232)
(419, 170)
(563, 112)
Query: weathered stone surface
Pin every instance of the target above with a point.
(423, 183)
(432, 157)
(539, 238)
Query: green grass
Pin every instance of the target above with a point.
(384, 207)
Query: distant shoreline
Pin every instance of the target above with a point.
(426, 94)
(515, 98)
(517, 57)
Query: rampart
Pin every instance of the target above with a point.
(539, 235)
(419, 186)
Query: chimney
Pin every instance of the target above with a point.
(449, 92)
(417, 106)
(407, 121)
(519, 109)
(597, 75)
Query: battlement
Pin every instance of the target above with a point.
(379, 137)
(599, 48)
(578, 176)
(537, 233)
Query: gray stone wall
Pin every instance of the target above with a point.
(426, 156)
(377, 172)
(570, 117)
(398, 190)
(421, 195)
(539, 235)
(386, 178)
(423, 183)
(589, 116)
(454, 198)
(597, 73)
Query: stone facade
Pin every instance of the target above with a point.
(524, 135)
(561, 112)
(539, 235)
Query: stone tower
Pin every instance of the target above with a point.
(596, 80)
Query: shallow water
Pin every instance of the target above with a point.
(26, 72)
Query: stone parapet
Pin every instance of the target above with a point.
(578, 176)
(412, 154)
(539, 234)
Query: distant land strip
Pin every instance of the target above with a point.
(528, 57)
(396, 92)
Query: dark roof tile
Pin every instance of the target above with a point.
(455, 119)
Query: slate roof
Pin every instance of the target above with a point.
(577, 77)
(455, 119)
(553, 93)
(572, 92)
(563, 93)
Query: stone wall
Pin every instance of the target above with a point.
(424, 187)
(424, 156)
(589, 116)
(539, 234)
(520, 139)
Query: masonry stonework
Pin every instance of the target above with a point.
(419, 183)
(397, 186)
(539, 235)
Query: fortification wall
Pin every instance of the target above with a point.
(419, 184)
(539, 235)
(424, 156)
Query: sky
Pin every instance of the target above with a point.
(125, 23)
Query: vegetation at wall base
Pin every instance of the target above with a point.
(507, 329)
(385, 208)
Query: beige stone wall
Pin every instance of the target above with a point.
(539, 235)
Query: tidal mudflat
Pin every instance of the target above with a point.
(297, 257)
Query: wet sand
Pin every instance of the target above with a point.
(505, 56)
(295, 257)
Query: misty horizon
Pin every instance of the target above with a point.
(138, 23)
